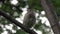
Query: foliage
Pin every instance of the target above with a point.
(20, 32)
(56, 6)
(7, 6)
(34, 4)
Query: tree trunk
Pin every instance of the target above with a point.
(51, 15)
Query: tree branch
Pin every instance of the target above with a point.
(16, 22)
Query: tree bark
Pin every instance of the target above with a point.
(51, 15)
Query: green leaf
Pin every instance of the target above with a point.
(34, 4)
(20, 32)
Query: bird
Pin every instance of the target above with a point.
(29, 18)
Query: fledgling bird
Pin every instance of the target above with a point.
(29, 18)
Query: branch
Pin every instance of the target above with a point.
(51, 15)
(16, 22)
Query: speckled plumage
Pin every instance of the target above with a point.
(29, 18)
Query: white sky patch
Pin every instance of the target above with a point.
(52, 31)
(18, 27)
(4, 29)
(37, 15)
(18, 19)
(5, 32)
(8, 27)
(13, 31)
(24, 10)
(23, 14)
(45, 21)
(43, 12)
(22, 17)
(1, 25)
(37, 31)
(11, 25)
(14, 2)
